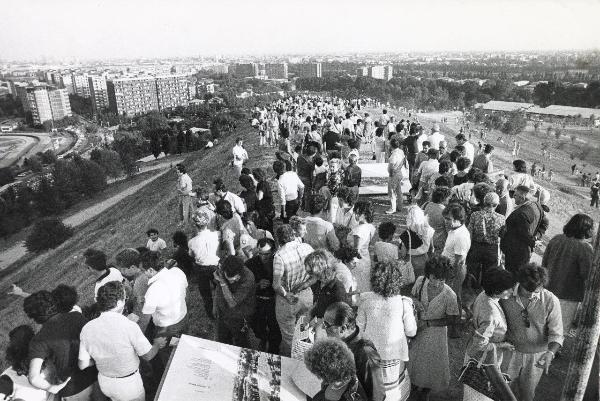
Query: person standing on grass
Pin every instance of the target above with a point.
(568, 258)
(524, 228)
(456, 249)
(462, 140)
(506, 205)
(534, 320)
(184, 192)
(396, 163)
(222, 193)
(291, 190)
(240, 156)
(115, 344)
(319, 232)
(96, 260)
(291, 284)
(436, 137)
(352, 174)
(264, 322)
(234, 301)
(594, 193)
(57, 344)
(203, 248)
(483, 161)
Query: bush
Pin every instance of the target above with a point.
(567, 190)
(6, 176)
(46, 234)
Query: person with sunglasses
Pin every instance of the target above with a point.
(535, 328)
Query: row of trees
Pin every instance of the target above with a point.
(510, 124)
(68, 182)
(549, 93)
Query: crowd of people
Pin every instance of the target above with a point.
(380, 303)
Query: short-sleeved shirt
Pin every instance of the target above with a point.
(385, 251)
(457, 243)
(320, 234)
(352, 176)
(288, 263)
(22, 389)
(232, 230)
(204, 247)
(165, 298)
(156, 246)
(365, 232)
(57, 343)
(111, 275)
(115, 343)
(344, 275)
(243, 293)
(410, 142)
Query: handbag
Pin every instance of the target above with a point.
(487, 380)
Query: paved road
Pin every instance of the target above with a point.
(11, 255)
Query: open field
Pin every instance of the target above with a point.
(12, 147)
(124, 225)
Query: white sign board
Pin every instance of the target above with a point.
(204, 370)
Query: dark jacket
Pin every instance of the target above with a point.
(354, 392)
(368, 367)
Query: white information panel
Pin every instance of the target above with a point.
(207, 370)
(375, 179)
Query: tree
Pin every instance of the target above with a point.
(93, 178)
(165, 144)
(47, 198)
(47, 157)
(34, 164)
(6, 176)
(155, 146)
(515, 124)
(47, 233)
(557, 133)
(109, 160)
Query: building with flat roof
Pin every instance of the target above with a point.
(309, 70)
(47, 103)
(131, 96)
(385, 72)
(59, 103)
(98, 92)
(245, 70)
(276, 71)
(81, 85)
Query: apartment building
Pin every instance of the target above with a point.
(309, 70)
(81, 85)
(98, 92)
(131, 96)
(46, 103)
(245, 70)
(381, 72)
(276, 71)
(59, 103)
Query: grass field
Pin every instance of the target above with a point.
(125, 224)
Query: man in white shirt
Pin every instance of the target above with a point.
(461, 139)
(396, 162)
(348, 124)
(456, 248)
(428, 168)
(203, 248)
(239, 157)
(291, 190)
(221, 193)
(435, 138)
(165, 304)
(115, 344)
(184, 192)
(320, 234)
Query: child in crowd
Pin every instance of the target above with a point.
(155, 243)
(386, 249)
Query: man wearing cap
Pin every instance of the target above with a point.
(435, 138)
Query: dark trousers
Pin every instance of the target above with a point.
(264, 324)
(232, 331)
(159, 362)
(411, 158)
(594, 202)
(205, 283)
(291, 208)
(480, 258)
(515, 258)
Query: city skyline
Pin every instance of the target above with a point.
(110, 29)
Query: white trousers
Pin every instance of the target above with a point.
(128, 388)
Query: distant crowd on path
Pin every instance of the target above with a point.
(377, 302)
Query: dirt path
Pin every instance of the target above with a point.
(14, 253)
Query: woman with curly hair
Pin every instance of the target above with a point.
(13, 381)
(298, 224)
(332, 361)
(386, 318)
(429, 365)
(360, 238)
(328, 289)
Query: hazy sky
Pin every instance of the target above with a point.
(134, 28)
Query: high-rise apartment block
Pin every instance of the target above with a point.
(131, 96)
(46, 103)
(172, 91)
(381, 72)
(311, 70)
(276, 71)
(245, 70)
(98, 92)
(81, 85)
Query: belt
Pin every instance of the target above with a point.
(122, 377)
(264, 298)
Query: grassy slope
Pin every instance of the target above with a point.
(124, 225)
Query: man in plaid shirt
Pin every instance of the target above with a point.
(291, 284)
